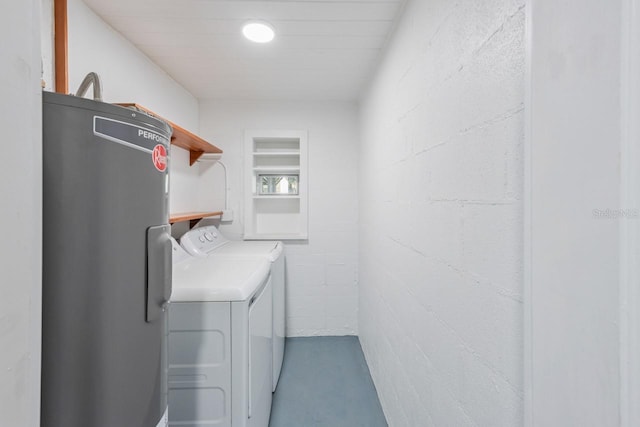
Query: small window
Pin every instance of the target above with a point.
(280, 185)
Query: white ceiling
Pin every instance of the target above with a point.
(324, 49)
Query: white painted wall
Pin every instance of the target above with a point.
(46, 43)
(322, 275)
(440, 267)
(573, 154)
(129, 76)
(20, 214)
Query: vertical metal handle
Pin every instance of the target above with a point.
(159, 271)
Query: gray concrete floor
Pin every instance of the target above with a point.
(325, 382)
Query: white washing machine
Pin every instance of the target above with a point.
(220, 342)
(209, 242)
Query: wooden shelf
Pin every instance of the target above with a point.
(181, 137)
(276, 153)
(192, 217)
(276, 197)
(282, 169)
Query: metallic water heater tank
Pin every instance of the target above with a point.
(106, 265)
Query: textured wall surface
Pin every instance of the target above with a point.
(20, 214)
(322, 292)
(441, 216)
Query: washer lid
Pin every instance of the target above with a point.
(270, 250)
(213, 279)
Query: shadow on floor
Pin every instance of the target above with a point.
(325, 382)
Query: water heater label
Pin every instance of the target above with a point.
(129, 135)
(159, 157)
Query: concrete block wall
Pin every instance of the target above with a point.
(440, 191)
(322, 291)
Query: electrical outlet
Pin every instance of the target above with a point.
(227, 215)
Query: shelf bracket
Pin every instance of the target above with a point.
(194, 156)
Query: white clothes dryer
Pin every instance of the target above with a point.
(210, 242)
(220, 342)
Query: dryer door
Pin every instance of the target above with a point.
(260, 357)
(279, 323)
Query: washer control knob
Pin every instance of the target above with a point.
(201, 238)
(208, 236)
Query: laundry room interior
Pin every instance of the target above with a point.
(453, 184)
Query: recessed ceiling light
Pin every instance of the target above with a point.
(258, 31)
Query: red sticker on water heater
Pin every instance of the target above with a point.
(159, 157)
